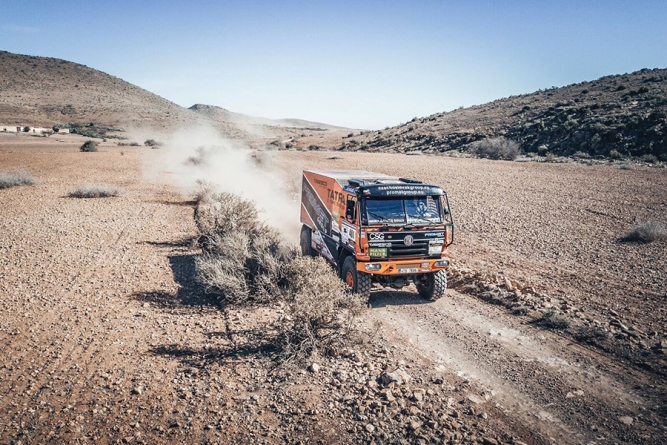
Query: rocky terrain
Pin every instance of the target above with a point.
(553, 330)
(614, 116)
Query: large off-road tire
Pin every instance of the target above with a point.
(305, 243)
(432, 285)
(358, 282)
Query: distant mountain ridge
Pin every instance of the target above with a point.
(616, 115)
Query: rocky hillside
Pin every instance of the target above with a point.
(617, 116)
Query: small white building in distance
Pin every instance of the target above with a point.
(10, 128)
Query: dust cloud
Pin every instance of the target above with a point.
(202, 154)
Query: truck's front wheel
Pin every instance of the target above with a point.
(432, 285)
(305, 242)
(358, 282)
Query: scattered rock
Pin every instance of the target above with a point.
(627, 420)
(399, 377)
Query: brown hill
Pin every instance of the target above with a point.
(46, 91)
(43, 91)
(622, 115)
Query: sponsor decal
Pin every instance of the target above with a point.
(320, 182)
(435, 234)
(336, 196)
(316, 209)
(377, 244)
(376, 236)
(399, 189)
(348, 233)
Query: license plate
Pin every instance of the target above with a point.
(378, 252)
(408, 270)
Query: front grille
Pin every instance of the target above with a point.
(399, 249)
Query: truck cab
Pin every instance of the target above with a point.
(376, 228)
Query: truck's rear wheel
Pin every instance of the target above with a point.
(358, 282)
(305, 242)
(432, 285)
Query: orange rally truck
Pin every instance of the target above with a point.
(378, 228)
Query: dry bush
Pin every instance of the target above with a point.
(242, 268)
(16, 178)
(320, 314)
(220, 213)
(647, 233)
(244, 262)
(95, 191)
(89, 146)
(495, 148)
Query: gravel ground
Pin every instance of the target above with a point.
(105, 337)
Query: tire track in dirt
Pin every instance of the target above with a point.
(82, 345)
(564, 391)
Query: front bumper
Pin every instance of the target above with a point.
(403, 267)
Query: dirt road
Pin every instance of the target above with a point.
(105, 338)
(565, 392)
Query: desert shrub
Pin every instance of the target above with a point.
(647, 233)
(152, 143)
(542, 150)
(581, 155)
(550, 157)
(245, 262)
(651, 159)
(495, 148)
(89, 146)
(16, 178)
(95, 191)
(615, 154)
(319, 313)
(242, 256)
(554, 321)
(26, 129)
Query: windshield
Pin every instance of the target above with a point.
(418, 210)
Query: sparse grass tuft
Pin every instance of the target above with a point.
(495, 148)
(16, 178)
(647, 233)
(95, 191)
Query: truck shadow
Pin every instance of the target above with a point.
(383, 298)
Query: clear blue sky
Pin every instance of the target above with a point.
(362, 64)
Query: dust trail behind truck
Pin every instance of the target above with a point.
(378, 228)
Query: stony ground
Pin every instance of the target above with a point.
(105, 337)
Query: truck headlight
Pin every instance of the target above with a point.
(373, 266)
(442, 263)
